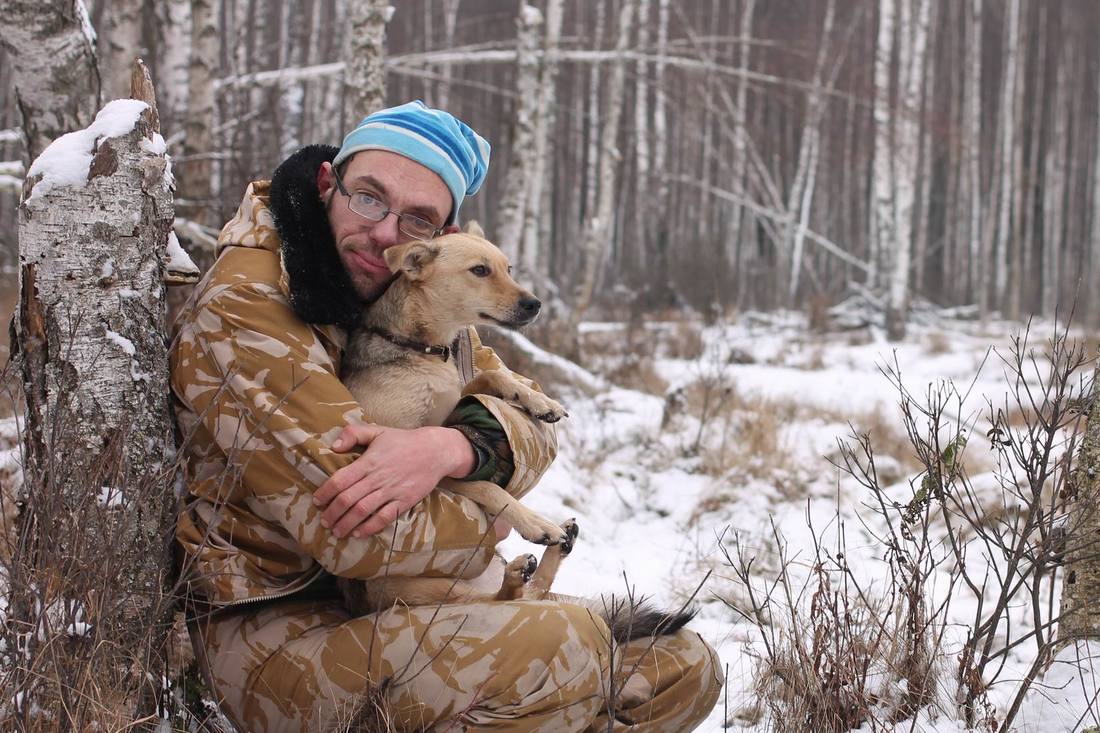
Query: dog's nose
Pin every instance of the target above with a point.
(530, 306)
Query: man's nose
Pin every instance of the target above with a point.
(386, 232)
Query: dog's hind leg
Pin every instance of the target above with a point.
(516, 575)
(499, 503)
(539, 586)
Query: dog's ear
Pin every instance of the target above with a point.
(474, 229)
(411, 258)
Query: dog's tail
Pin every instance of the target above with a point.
(630, 619)
(641, 619)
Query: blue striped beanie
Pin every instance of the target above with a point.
(436, 139)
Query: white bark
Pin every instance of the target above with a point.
(740, 132)
(591, 176)
(119, 45)
(914, 35)
(197, 171)
(521, 162)
(882, 240)
(1054, 190)
(598, 232)
(55, 80)
(450, 19)
(801, 194)
(532, 256)
(642, 153)
(972, 129)
(364, 54)
(1007, 152)
(91, 331)
(175, 60)
(1094, 250)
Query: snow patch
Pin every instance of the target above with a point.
(66, 160)
(530, 15)
(110, 498)
(178, 259)
(387, 14)
(85, 22)
(122, 342)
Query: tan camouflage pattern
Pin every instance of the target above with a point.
(522, 667)
(258, 402)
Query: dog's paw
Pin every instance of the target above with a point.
(542, 408)
(571, 531)
(522, 567)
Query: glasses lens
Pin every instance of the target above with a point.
(416, 227)
(368, 206)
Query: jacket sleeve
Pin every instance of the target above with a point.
(531, 444)
(267, 390)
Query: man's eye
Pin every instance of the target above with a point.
(366, 199)
(480, 270)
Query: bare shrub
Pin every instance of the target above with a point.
(640, 374)
(992, 541)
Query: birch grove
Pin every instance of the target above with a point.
(751, 134)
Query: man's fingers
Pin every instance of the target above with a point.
(384, 517)
(359, 512)
(357, 434)
(340, 483)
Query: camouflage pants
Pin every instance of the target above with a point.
(525, 666)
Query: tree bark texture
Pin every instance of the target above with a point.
(197, 172)
(365, 75)
(99, 504)
(50, 44)
(1080, 607)
(521, 160)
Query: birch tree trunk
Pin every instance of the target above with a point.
(914, 34)
(885, 231)
(364, 54)
(521, 162)
(1007, 153)
(1054, 189)
(174, 63)
(119, 46)
(972, 129)
(1093, 315)
(94, 543)
(197, 172)
(56, 82)
(1080, 606)
(642, 152)
(450, 19)
(801, 194)
(598, 233)
(533, 259)
(740, 135)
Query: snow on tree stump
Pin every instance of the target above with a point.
(93, 557)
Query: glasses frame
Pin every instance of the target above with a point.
(386, 211)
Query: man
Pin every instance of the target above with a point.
(282, 496)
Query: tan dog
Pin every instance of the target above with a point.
(397, 366)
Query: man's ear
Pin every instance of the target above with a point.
(474, 229)
(325, 180)
(411, 259)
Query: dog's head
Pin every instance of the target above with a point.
(464, 279)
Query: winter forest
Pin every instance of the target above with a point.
(818, 292)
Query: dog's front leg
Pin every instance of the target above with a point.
(499, 503)
(500, 383)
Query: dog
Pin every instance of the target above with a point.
(397, 367)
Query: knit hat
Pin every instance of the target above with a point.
(436, 139)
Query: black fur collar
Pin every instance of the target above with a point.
(320, 289)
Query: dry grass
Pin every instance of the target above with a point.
(936, 343)
(639, 374)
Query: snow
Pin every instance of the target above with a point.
(654, 517)
(122, 342)
(387, 13)
(530, 15)
(178, 259)
(85, 22)
(65, 162)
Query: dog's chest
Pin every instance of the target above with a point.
(401, 389)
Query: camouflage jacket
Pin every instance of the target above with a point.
(254, 371)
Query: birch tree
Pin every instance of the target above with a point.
(532, 254)
(598, 232)
(364, 53)
(1007, 153)
(914, 34)
(50, 44)
(883, 175)
(521, 161)
(119, 45)
(93, 545)
(197, 172)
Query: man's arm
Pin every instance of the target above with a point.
(266, 389)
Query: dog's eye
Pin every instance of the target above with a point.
(480, 270)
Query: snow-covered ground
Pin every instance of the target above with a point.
(655, 504)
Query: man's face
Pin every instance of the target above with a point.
(405, 186)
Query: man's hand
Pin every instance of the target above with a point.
(398, 469)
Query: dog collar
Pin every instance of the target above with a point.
(443, 352)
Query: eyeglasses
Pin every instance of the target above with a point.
(374, 209)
